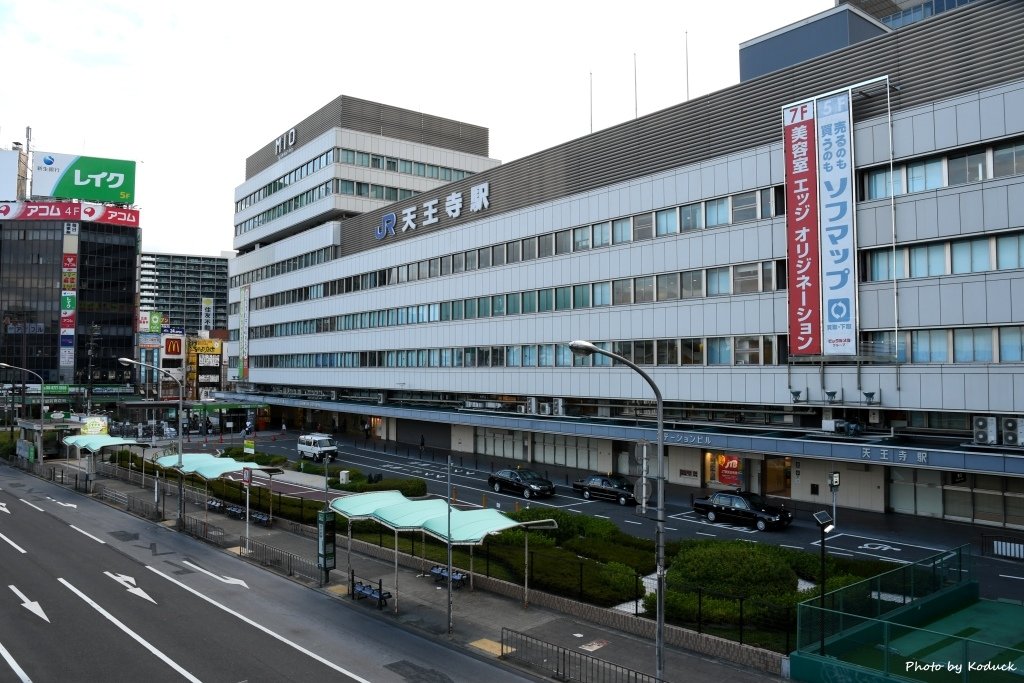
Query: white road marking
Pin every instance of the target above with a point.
(668, 528)
(836, 552)
(1009, 576)
(259, 626)
(602, 516)
(13, 544)
(129, 583)
(3, 508)
(31, 605)
(701, 533)
(18, 671)
(795, 547)
(31, 505)
(224, 579)
(132, 634)
(629, 521)
(86, 533)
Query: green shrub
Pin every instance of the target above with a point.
(734, 567)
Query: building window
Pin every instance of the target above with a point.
(966, 167)
(563, 242)
(924, 175)
(746, 278)
(458, 264)
(1008, 159)
(716, 212)
(691, 217)
(691, 351)
(692, 284)
(546, 355)
(602, 293)
(622, 292)
(513, 304)
(748, 350)
(622, 230)
(581, 238)
(643, 289)
(624, 349)
(513, 252)
(529, 248)
(718, 281)
(972, 345)
(928, 260)
(970, 256)
(545, 245)
(667, 222)
(498, 255)
(928, 346)
(581, 296)
(471, 263)
(643, 227)
(602, 234)
(719, 351)
(643, 352)
(668, 287)
(882, 264)
(1011, 344)
(545, 300)
(1009, 252)
(484, 257)
(563, 298)
(668, 352)
(744, 207)
(530, 302)
(483, 307)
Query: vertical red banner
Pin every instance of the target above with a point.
(802, 240)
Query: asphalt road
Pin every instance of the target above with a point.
(894, 539)
(88, 593)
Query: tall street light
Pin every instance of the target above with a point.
(825, 523)
(42, 405)
(585, 348)
(181, 398)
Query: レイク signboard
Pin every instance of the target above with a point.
(802, 243)
(89, 178)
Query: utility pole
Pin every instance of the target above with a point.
(93, 331)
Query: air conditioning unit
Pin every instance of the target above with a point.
(531, 405)
(1013, 431)
(545, 408)
(558, 406)
(520, 409)
(984, 430)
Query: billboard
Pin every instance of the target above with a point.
(67, 176)
(9, 175)
(207, 317)
(820, 225)
(68, 211)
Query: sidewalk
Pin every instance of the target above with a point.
(420, 603)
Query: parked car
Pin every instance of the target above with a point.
(743, 507)
(317, 447)
(525, 482)
(611, 486)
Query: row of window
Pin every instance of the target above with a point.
(353, 158)
(315, 194)
(744, 206)
(976, 255)
(289, 265)
(969, 345)
(958, 168)
(747, 278)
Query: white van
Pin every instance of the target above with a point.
(318, 447)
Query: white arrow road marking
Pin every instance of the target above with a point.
(13, 544)
(67, 505)
(132, 634)
(224, 579)
(31, 606)
(31, 505)
(3, 508)
(129, 583)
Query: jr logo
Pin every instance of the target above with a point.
(386, 227)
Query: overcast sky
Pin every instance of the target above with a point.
(189, 89)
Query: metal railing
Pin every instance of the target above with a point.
(278, 560)
(1007, 547)
(564, 664)
(136, 506)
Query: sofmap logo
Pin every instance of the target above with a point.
(48, 160)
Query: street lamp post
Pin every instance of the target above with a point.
(585, 348)
(181, 399)
(42, 405)
(824, 522)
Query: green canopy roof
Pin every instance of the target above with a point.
(208, 466)
(395, 511)
(96, 442)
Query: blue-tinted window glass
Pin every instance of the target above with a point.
(1011, 344)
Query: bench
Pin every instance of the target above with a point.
(362, 590)
(235, 512)
(215, 505)
(260, 518)
(441, 574)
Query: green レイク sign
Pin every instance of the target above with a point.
(66, 176)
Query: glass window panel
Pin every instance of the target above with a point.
(719, 351)
(716, 212)
(546, 355)
(643, 352)
(581, 296)
(1009, 252)
(563, 242)
(691, 217)
(514, 252)
(513, 356)
(484, 257)
(513, 304)
(880, 265)
(529, 248)
(458, 262)
(971, 256)
(470, 309)
(667, 222)
(602, 293)
(563, 298)
(718, 281)
(972, 345)
(602, 234)
(643, 226)
(545, 300)
(928, 346)
(624, 349)
(924, 175)
(643, 289)
(691, 351)
(877, 182)
(530, 302)
(458, 310)
(446, 265)
(965, 167)
(529, 356)
(744, 207)
(498, 255)
(1008, 159)
(622, 292)
(928, 260)
(545, 245)
(748, 351)
(668, 352)
(563, 356)
(622, 230)
(668, 286)
(483, 307)
(498, 304)
(581, 238)
(1011, 344)
(471, 260)
(746, 278)
(692, 284)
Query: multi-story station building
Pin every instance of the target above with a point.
(820, 267)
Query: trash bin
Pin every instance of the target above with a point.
(343, 477)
